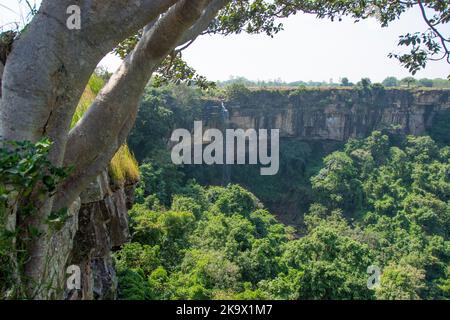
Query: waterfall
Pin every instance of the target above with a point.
(226, 169)
(225, 114)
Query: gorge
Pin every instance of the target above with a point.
(313, 122)
(334, 114)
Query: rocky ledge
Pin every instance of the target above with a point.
(102, 228)
(332, 114)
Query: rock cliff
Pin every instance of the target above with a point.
(334, 114)
(312, 124)
(102, 227)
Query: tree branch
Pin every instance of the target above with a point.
(103, 129)
(50, 65)
(203, 22)
(443, 40)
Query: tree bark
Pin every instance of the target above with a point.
(44, 78)
(203, 22)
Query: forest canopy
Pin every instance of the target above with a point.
(380, 201)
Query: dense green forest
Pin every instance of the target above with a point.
(379, 201)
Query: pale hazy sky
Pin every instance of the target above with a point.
(308, 49)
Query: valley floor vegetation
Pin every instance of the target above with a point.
(382, 201)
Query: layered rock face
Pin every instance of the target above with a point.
(102, 228)
(323, 119)
(335, 114)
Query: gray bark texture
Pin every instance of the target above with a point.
(2, 67)
(47, 71)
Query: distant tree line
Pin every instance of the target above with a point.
(389, 82)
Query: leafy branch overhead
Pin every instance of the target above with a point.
(260, 16)
(172, 69)
(429, 45)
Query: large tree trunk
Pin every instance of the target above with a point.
(47, 72)
(50, 65)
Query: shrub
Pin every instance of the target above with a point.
(24, 168)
